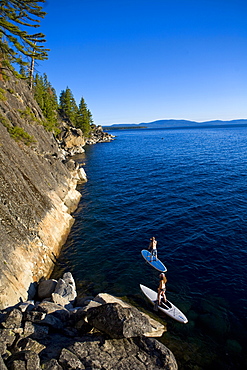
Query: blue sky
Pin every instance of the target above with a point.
(138, 61)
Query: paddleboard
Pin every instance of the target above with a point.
(168, 308)
(157, 264)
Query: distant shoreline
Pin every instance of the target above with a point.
(123, 128)
(130, 127)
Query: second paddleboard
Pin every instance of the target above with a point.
(155, 263)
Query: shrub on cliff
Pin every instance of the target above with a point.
(18, 134)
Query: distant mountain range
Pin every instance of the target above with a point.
(173, 123)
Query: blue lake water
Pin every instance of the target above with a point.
(188, 188)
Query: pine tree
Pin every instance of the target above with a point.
(39, 90)
(46, 97)
(16, 44)
(68, 105)
(50, 102)
(22, 72)
(84, 118)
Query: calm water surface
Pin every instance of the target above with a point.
(188, 188)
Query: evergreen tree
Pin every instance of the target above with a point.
(45, 96)
(39, 90)
(68, 105)
(16, 44)
(22, 72)
(84, 118)
(50, 101)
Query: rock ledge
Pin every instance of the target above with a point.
(101, 333)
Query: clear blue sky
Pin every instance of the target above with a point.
(138, 61)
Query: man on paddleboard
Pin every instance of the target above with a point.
(153, 247)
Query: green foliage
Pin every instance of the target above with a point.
(39, 90)
(50, 127)
(16, 44)
(18, 134)
(68, 105)
(2, 95)
(11, 91)
(46, 97)
(23, 72)
(84, 118)
(80, 116)
(4, 120)
(28, 114)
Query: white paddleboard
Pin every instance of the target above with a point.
(168, 308)
(157, 264)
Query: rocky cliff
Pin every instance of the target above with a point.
(37, 193)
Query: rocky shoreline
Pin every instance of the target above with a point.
(38, 194)
(59, 331)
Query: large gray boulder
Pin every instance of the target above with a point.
(24, 360)
(69, 360)
(118, 321)
(123, 354)
(66, 288)
(52, 365)
(157, 327)
(34, 316)
(52, 321)
(58, 299)
(13, 319)
(52, 308)
(39, 331)
(72, 140)
(25, 344)
(7, 337)
(46, 288)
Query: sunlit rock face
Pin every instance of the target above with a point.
(37, 194)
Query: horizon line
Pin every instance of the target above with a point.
(177, 119)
